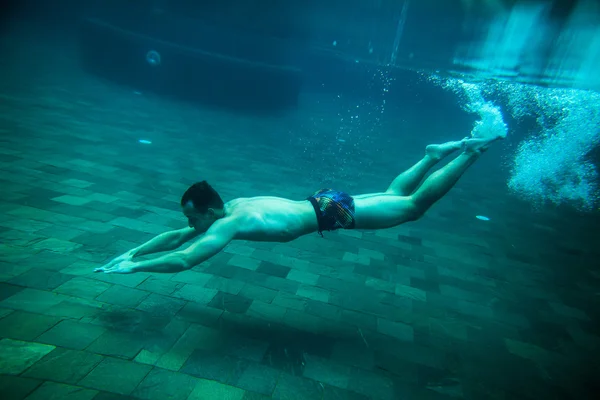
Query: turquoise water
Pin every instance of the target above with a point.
(493, 294)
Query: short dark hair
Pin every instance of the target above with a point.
(202, 196)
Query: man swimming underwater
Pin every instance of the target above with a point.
(281, 220)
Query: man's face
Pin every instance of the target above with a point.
(197, 220)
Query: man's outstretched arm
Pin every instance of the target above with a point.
(214, 240)
(167, 241)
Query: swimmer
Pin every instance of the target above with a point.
(214, 224)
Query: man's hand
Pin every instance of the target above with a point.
(117, 264)
(214, 240)
(124, 267)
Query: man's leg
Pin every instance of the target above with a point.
(407, 182)
(385, 210)
(441, 181)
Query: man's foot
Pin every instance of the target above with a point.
(478, 144)
(439, 151)
(486, 132)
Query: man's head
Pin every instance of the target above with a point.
(202, 205)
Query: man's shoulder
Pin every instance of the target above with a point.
(241, 216)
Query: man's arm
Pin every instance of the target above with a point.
(165, 242)
(214, 240)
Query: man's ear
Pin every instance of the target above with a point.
(211, 212)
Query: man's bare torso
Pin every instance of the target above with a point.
(276, 219)
(271, 219)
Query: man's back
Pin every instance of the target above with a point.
(272, 219)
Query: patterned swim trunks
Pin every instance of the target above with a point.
(335, 210)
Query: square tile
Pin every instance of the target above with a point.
(273, 269)
(206, 389)
(97, 240)
(148, 357)
(128, 280)
(193, 277)
(23, 325)
(200, 314)
(356, 258)
(287, 300)
(290, 349)
(60, 391)
(196, 336)
(239, 249)
(230, 303)
(255, 396)
(56, 245)
(5, 311)
(296, 388)
(245, 262)
(410, 292)
(56, 262)
(63, 365)
(40, 279)
(123, 296)
(18, 355)
(370, 384)
(267, 312)
(530, 352)
(334, 284)
(375, 255)
(17, 388)
(102, 198)
(83, 287)
(78, 183)
(61, 232)
(334, 393)
(112, 396)
(410, 239)
(359, 319)
(230, 286)
(440, 302)
(323, 310)
(258, 378)
(448, 327)
(225, 270)
(161, 384)
(380, 284)
(280, 284)
(159, 286)
(78, 268)
(424, 284)
(117, 344)
(259, 293)
(210, 364)
(116, 376)
(306, 322)
(33, 300)
(354, 353)
(244, 347)
(569, 312)
(9, 270)
(313, 293)
(323, 370)
(195, 293)
(304, 277)
(75, 308)
(403, 370)
(159, 305)
(72, 334)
